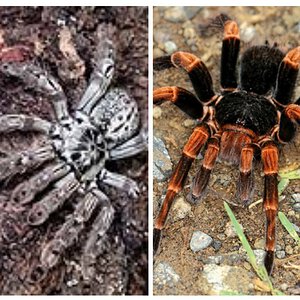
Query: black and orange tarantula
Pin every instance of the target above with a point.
(247, 120)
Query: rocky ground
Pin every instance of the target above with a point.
(62, 40)
(200, 252)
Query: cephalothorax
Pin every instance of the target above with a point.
(105, 127)
(246, 121)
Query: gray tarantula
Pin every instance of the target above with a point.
(105, 127)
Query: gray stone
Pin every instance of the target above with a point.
(162, 166)
(216, 244)
(170, 47)
(164, 275)
(280, 254)
(296, 207)
(181, 209)
(296, 197)
(191, 11)
(200, 241)
(296, 227)
(260, 256)
(175, 14)
(227, 278)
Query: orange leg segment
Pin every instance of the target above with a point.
(289, 68)
(192, 148)
(269, 156)
(182, 98)
(198, 73)
(245, 184)
(201, 179)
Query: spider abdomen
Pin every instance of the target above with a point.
(250, 111)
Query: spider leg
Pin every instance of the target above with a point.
(68, 233)
(198, 73)
(288, 119)
(103, 73)
(34, 77)
(132, 147)
(269, 154)
(21, 162)
(100, 226)
(120, 182)
(201, 178)
(287, 76)
(191, 149)
(9, 123)
(63, 189)
(27, 190)
(182, 98)
(230, 52)
(245, 184)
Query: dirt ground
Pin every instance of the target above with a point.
(123, 265)
(257, 24)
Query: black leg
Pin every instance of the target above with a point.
(230, 52)
(198, 73)
(182, 98)
(287, 76)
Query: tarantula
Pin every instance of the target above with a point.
(104, 127)
(245, 122)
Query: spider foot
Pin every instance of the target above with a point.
(269, 261)
(156, 239)
(95, 243)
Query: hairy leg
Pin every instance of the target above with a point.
(34, 77)
(191, 149)
(21, 162)
(269, 154)
(27, 190)
(120, 182)
(201, 178)
(103, 70)
(62, 191)
(9, 123)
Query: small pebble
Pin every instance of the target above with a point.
(157, 112)
(289, 249)
(170, 47)
(164, 275)
(216, 244)
(296, 207)
(191, 11)
(259, 244)
(72, 282)
(162, 166)
(229, 230)
(296, 197)
(181, 209)
(260, 256)
(200, 241)
(280, 254)
(189, 123)
(175, 14)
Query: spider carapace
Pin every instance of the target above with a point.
(246, 121)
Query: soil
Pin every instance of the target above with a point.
(44, 32)
(275, 24)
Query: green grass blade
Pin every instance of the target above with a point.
(288, 226)
(282, 185)
(241, 236)
(260, 270)
(291, 175)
